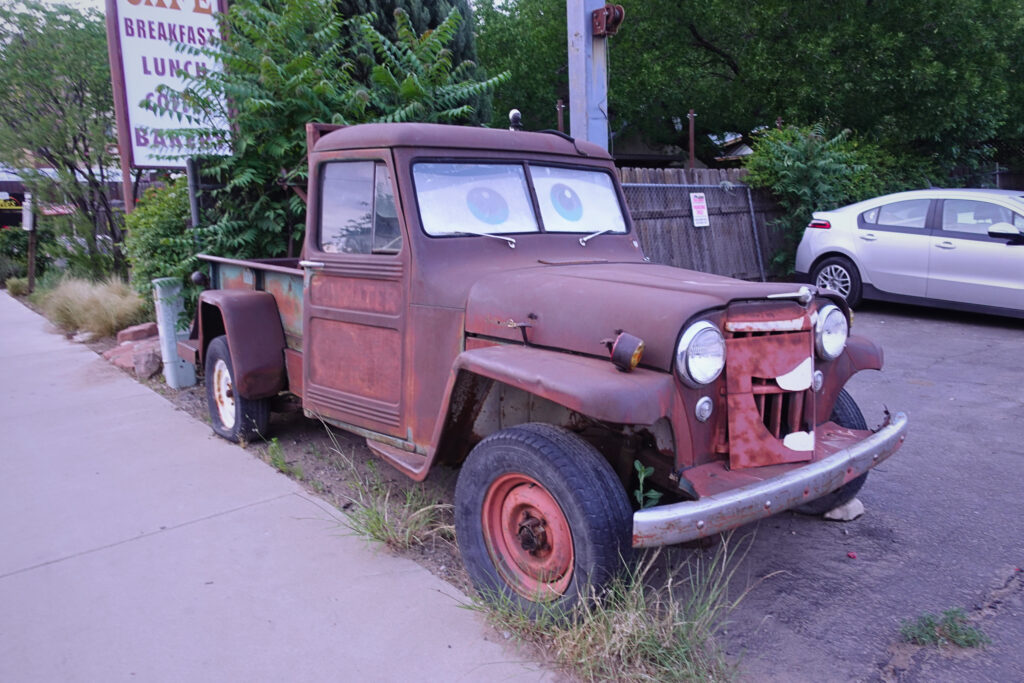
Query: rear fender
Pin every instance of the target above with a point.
(255, 338)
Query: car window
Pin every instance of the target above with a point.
(870, 216)
(910, 213)
(357, 209)
(968, 215)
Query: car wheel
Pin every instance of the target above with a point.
(846, 413)
(540, 518)
(838, 273)
(232, 416)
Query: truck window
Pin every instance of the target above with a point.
(576, 200)
(357, 209)
(471, 198)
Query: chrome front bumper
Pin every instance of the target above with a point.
(686, 521)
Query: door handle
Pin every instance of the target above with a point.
(315, 265)
(946, 245)
(868, 237)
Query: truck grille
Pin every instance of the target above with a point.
(781, 411)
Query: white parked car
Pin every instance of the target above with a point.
(961, 249)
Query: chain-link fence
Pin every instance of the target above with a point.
(730, 236)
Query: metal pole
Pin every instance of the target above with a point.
(560, 108)
(691, 116)
(588, 74)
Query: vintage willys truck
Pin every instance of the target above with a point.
(479, 297)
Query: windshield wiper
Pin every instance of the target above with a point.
(510, 241)
(584, 240)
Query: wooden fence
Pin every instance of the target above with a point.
(737, 243)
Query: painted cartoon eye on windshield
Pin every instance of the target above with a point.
(487, 205)
(566, 202)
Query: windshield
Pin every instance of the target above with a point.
(458, 198)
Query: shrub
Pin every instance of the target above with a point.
(17, 286)
(160, 243)
(808, 171)
(101, 309)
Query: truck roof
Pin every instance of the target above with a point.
(442, 136)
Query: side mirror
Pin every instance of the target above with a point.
(1005, 231)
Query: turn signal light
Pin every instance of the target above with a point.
(627, 351)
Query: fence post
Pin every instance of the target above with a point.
(757, 238)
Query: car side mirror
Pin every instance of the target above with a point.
(1005, 231)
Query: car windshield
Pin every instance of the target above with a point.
(472, 198)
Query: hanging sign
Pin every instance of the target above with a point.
(699, 206)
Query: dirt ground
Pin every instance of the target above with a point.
(318, 456)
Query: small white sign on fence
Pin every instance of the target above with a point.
(699, 206)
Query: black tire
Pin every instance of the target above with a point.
(839, 274)
(846, 413)
(540, 472)
(233, 417)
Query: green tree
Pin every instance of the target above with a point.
(528, 39)
(425, 16)
(289, 62)
(57, 110)
(937, 78)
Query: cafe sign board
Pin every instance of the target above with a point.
(149, 43)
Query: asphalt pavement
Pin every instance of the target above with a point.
(138, 546)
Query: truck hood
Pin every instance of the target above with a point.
(576, 307)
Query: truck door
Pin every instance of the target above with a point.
(354, 295)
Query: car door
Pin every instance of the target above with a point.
(354, 313)
(968, 266)
(892, 246)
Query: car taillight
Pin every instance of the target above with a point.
(818, 223)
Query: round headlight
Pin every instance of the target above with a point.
(830, 332)
(700, 356)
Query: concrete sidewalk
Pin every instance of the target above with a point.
(135, 545)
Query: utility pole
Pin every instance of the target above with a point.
(590, 22)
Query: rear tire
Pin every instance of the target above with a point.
(540, 518)
(233, 417)
(839, 274)
(846, 413)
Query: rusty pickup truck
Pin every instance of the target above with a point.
(479, 298)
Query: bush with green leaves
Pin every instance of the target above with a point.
(160, 242)
(290, 62)
(808, 170)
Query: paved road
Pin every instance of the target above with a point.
(136, 546)
(944, 525)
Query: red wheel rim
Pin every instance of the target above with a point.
(528, 537)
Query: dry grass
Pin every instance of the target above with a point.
(642, 627)
(99, 308)
(400, 517)
(17, 286)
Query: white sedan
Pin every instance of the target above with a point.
(961, 249)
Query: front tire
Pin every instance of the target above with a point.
(540, 518)
(846, 413)
(839, 274)
(233, 417)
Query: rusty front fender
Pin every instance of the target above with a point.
(255, 338)
(861, 353)
(589, 386)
